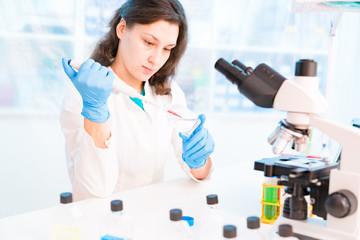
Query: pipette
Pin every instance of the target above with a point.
(119, 86)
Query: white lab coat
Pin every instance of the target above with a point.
(138, 146)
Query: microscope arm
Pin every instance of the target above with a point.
(347, 136)
(344, 186)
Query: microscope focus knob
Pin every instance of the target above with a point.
(341, 203)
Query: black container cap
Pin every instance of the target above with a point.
(229, 231)
(212, 199)
(175, 214)
(116, 205)
(253, 222)
(305, 67)
(66, 197)
(285, 230)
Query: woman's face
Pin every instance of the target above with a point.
(144, 49)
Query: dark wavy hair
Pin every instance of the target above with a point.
(147, 12)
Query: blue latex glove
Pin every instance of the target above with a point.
(198, 146)
(94, 83)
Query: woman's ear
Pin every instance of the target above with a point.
(121, 28)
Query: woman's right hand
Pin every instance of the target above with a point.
(94, 83)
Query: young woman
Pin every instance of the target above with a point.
(115, 142)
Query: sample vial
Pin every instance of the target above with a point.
(229, 232)
(214, 209)
(179, 229)
(116, 224)
(285, 232)
(253, 231)
(65, 219)
(211, 224)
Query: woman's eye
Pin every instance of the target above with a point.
(167, 49)
(148, 43)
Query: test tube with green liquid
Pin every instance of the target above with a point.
(270, 196)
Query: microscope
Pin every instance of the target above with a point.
(334, 187)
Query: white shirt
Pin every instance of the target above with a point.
(138, 146)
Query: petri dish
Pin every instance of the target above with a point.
(185, 125)
(184, 120)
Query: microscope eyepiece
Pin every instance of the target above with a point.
(222, 66)
(305, 67)
(230, 71)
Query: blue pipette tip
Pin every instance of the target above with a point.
(69, 62)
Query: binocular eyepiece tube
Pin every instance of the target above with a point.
(259, 86)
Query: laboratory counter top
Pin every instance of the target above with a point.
(238, 188)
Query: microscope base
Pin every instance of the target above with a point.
(312, 229)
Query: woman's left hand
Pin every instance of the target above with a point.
(198, 147)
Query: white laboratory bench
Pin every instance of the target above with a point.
(238, 187)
